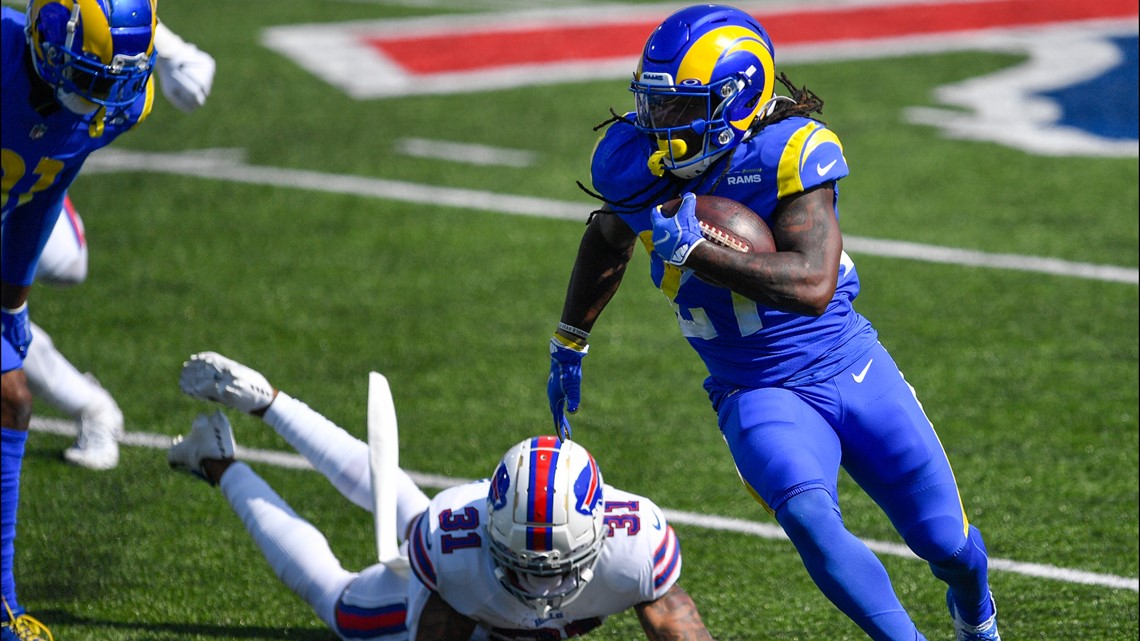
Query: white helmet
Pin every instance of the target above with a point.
(545, 506)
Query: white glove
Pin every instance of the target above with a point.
(185, 72)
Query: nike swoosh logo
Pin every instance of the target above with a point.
(823, 169)
(861, 375)
(656, 522)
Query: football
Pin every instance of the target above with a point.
(728, 223)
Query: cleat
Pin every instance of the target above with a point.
(100, 430)
(210, 437)
(985, 631)
(22, 627)
(209, 376)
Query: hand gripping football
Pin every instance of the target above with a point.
(729, 224)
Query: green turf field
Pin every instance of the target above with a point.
(1030, 378)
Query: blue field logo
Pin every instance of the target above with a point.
(1107, 105)
(1075, 95)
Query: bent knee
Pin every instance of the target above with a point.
(936, 540)
(807, 513)
(63, 273)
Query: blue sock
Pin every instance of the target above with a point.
(11, 458)
(966, 573)
(843, 568)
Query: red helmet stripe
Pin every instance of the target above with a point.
(540, 485)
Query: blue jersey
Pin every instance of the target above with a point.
(744, 344)
(43, 150)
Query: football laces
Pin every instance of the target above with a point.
(722, 238)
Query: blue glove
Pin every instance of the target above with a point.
(564, 387)
(675, 237)
(17, 328)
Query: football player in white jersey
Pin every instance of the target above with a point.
(541, 550)
(185, 75)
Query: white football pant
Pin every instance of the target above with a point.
(298, 553)
(51, 377)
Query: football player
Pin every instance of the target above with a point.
(798, 379)
(185, 74)
(541, 550)
(76, 74)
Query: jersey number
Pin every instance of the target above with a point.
(15, 168)
(630, 522)
(745, 310)
(465, 521)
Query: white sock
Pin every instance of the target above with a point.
(53, 379)
(341, 457)
(298, 553)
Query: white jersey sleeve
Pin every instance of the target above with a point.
(641, 558)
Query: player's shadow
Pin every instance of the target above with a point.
(89, 629)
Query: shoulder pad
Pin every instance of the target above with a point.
(619, 166)
(810, 155)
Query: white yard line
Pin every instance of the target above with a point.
(229, 165)
(464, 152)
(706, 521)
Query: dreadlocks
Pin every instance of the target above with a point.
(801, 102)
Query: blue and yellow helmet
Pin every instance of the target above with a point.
(100, 50)
(705, 74)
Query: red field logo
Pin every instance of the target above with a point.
(1067, 43)
(457, 54)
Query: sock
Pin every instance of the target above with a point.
(843, 568)
(341, 457)
(966, 573)
(11, 459)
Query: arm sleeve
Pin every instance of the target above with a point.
(666, 563)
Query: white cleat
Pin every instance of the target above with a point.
(210, 437)
(100, 430)
(209, 376)
(985, 631)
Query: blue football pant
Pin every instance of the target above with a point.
(788, 445)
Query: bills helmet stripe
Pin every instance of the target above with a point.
(540, 485)
(354, 622)
(539, 539)
(418, 553)
(667, 559)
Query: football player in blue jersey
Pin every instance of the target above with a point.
(76, 74)
(798, 379)
(185, 75)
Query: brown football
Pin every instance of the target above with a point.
(728, 223)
